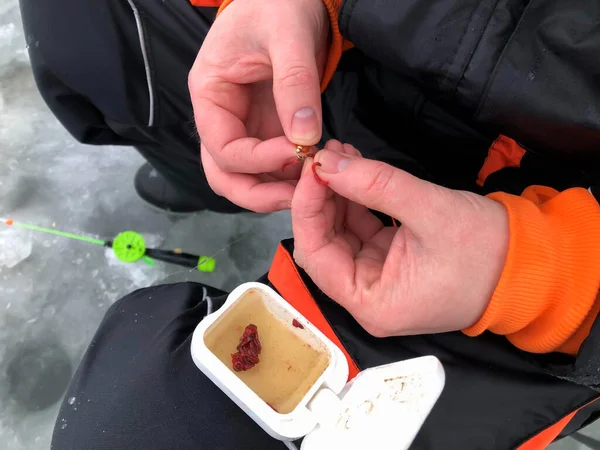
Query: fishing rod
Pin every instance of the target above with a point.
(130, 247)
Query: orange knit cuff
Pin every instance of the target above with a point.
(546, 297)
(338, 45)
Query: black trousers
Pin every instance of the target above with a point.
(137, 387)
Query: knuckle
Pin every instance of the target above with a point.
(299, 257)
(201, 86)
(296, 74)
(213, 182)
(197, 81)
(380, 181)
(192, 82)
(224, 158)
(224, 163)
(214, 185)
(261, 209)
(375, 330)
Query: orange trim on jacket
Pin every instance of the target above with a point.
(543, 439)
(207, 3)
(547, 296)
(338, 44)
(286, 279)
(504, 152)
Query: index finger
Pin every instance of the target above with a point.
(222, 105)
(325, 258)
(248, 191)
(221, 129)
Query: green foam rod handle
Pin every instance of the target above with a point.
(206, 264)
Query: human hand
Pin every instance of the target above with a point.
(435, 273)
(255, 88)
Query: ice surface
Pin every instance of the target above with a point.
(15, 246)
(56, 290)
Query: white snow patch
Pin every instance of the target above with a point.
(15, 247)
(7, 32)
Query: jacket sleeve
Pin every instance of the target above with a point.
(547, 297)
(528, 67)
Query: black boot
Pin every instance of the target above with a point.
(152, 187)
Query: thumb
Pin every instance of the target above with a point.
(382, 187)
(296, 87)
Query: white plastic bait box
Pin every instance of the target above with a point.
(298, 388)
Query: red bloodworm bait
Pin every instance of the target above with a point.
(247, 350)
(297, 324)
(317, 177)
(290, 164)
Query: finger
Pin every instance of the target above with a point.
(342, 204)
(358, 219)
(233, 151)
(317, 248)
(382, 187)
(312, 229)
(341, 210)
(221, 110)
(350, 149)
(361, 222)
(296, 86)
(248, 191)
(220, 106)
(336, 146)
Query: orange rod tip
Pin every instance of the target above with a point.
(9, 221)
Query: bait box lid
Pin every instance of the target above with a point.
(383, 407)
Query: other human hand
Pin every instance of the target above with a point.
(435, 273)
(255, 89)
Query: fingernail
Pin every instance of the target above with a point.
(305, 127)
(284, 205)
(332, 162)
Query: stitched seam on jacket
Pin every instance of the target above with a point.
(484, 29)
(486, 91)
(446, 83)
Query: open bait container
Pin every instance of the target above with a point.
(299, 387)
